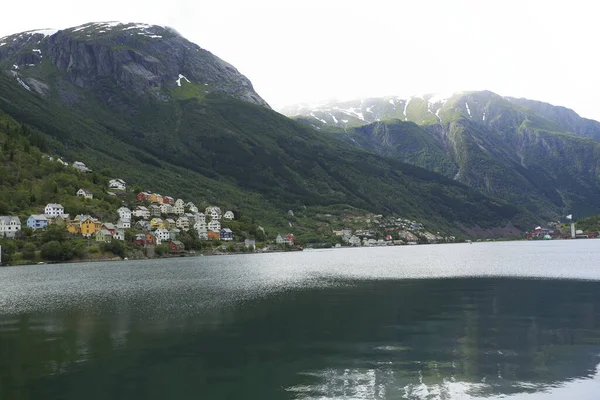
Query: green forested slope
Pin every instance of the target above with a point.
(241, 155)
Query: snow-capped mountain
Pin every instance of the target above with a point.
(145, 59)
(484, 107)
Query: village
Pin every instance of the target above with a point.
(153, 220)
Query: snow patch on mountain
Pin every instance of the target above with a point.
(468, 109)
(178, 81)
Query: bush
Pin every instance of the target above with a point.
(29, 251)
(52, 251)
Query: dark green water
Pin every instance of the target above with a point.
(422, 322)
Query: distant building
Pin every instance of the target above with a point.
(54, 209)
(9, 226)
(37, 221)
(86, 193)
(81, 167)
(117, 184)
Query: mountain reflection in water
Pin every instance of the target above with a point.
(337, 338)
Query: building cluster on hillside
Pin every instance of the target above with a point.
(387, 231)
(161, 221)
(165, 214)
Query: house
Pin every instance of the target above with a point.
(170, 223)
(216, 235)
(179, 207)
(168, 200)
(141, 212)
(53, 209)
(142, 225)
(37, 221)
(85, 193)
(60, 160)
(191, 207)
(354, 241)
(141, 196)
(89, 226)
(176, 246)
(119, 234)
(140, 239)
(124, 213)
(203, 235)
(117, 184)
(156, 198)
(111, 228)
(150, 239)
(200, 225)
(154, 210)
(166, 208)
(199, 217)
(62, 219)
(162, 235)
(74, 228)
(183, 223)
(81, 167)
(123, 223)
(103, 236)
(228, 215)
(226, 235)
(250, 243)
(173, 233)
(285, 239)
(214, 226)
(156, 223)
(191, 218)
(213, 212)
(9, 226)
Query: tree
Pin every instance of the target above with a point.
(29, 251)
(52, 251)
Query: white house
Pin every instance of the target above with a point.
(228, 215)
(119, 234)
(200, 217)
(161, 235)
(117, 184)
(214, 226)
(124, 213)
(281, 239)
(183, 223)
(200, 226)
(166, 208)
(85, 193)
(81, 166)
(9, 226)
(53, 209)
(124, 223)
(141, 212)
(179, 207)
(191, 207)
(214, 212)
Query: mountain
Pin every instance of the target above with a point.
(529, 153)
(142, 103)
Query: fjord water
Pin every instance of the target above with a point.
(488, 320)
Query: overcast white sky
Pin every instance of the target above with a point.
(314, 50)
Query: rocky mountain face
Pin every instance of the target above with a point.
(141, 59)
(526, 152)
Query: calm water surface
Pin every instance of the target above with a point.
(488, 320)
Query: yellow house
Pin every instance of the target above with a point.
(156, 223)
(156, 198)
(74, 228)
(89, 227)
